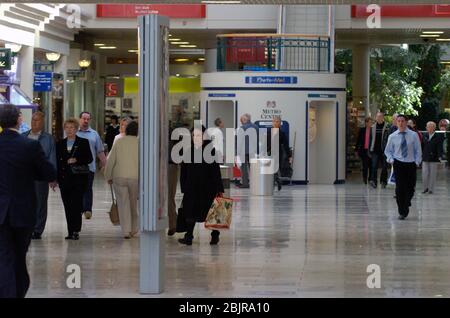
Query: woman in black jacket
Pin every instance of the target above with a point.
(431, 155)
(200, 183)
(73, 155)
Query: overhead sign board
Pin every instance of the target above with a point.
(175, 11)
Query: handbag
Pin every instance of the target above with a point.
(114, 211)
(78, 169)
(219, 215)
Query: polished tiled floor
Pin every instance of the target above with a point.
(305, 241)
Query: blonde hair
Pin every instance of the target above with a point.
(71, 121)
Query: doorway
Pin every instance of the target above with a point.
(322, 136)
(225, 110)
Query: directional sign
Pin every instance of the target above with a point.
(5, 59)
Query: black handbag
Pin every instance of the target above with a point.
(79, 169)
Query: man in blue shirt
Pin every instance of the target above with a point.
(97, 150)
(404, 151)
(48, 145)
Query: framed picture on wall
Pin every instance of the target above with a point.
(127, 103)
(112, 103)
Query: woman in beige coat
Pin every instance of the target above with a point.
(122, 172)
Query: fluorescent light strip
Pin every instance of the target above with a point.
(429, 36)
(171, 39)
(99, 44)
(181, 60)
(133, 51)
(107, 47)
(179, 42)
(443, 40)
(191, 45)
(433, 32)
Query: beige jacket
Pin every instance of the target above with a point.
(123, 160)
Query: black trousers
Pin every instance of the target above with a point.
(405, 185)
(365, 165)
(41, 204)
(72, 197)
(190, 230)
(14, 278)
(379, 159)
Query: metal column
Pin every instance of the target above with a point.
(153, 149)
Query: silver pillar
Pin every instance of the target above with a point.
(153, 148)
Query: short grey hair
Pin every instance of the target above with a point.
(248, 116)
(217, 121)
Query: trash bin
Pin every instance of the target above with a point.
(227, 174)
(261, 182)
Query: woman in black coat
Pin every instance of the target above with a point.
(200, 183)
(72, 151)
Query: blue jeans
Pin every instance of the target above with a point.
(88, 195)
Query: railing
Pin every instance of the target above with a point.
(273, 52)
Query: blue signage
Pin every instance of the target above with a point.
(42, 82)
(271, 80)
(322, 95)
(221, 95)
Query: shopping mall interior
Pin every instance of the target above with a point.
(322, 68)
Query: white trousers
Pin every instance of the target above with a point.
(429, 173)
(127, 191)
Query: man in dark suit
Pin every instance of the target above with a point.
(23, 162)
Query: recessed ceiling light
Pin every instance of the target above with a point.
(201, 58)
(177, 75)
(172, 39)
(133, 51)
(179, 42)
(107, 47)
(181, 60)
(444, 40)
(190, 45)
(429, 35)
(433, 32)
(99, 44)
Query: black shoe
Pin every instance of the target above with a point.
(185, 241)
(365, 181)
(373, 184)
(69, 237)
(279, 186)
(401, 217)
(171, 232)
(425, 191)
(36, 236)
(383, 185)
(214, 238)
(76, 236)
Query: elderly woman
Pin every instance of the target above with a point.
(122, 172)
(73, 154)
(200, 183)
(123, 126)
(432, 153)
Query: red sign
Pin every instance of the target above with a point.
(405, 11)
(175, 11)
(111, 89)
(246, 50)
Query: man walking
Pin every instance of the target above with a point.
(378, 144)
(247, 140)
(97, 150)
(403, 150)
(48, 145)
(23, 162)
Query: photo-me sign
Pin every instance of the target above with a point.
(5, 59)
(42, 82)
(271, 80)
(405, 11)
(175, 11)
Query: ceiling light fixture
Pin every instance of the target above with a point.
(172, 39)
(107, 47)
(190, 45)
(133, 51)
(181, 60)
(429, 35)
(179, 42)
(201, 58)
(99, 44)
(443, 40)
(84, 64)
(433, 32)
(52, 56)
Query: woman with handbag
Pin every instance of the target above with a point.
(122, 168)
(200, 183)
(73, 156)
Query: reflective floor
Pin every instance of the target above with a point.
(305, 241)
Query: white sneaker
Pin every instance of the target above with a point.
(88, 215)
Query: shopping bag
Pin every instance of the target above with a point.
(219, 215)
(391, 179)
(114, 211)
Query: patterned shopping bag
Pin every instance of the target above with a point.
(219, 215)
